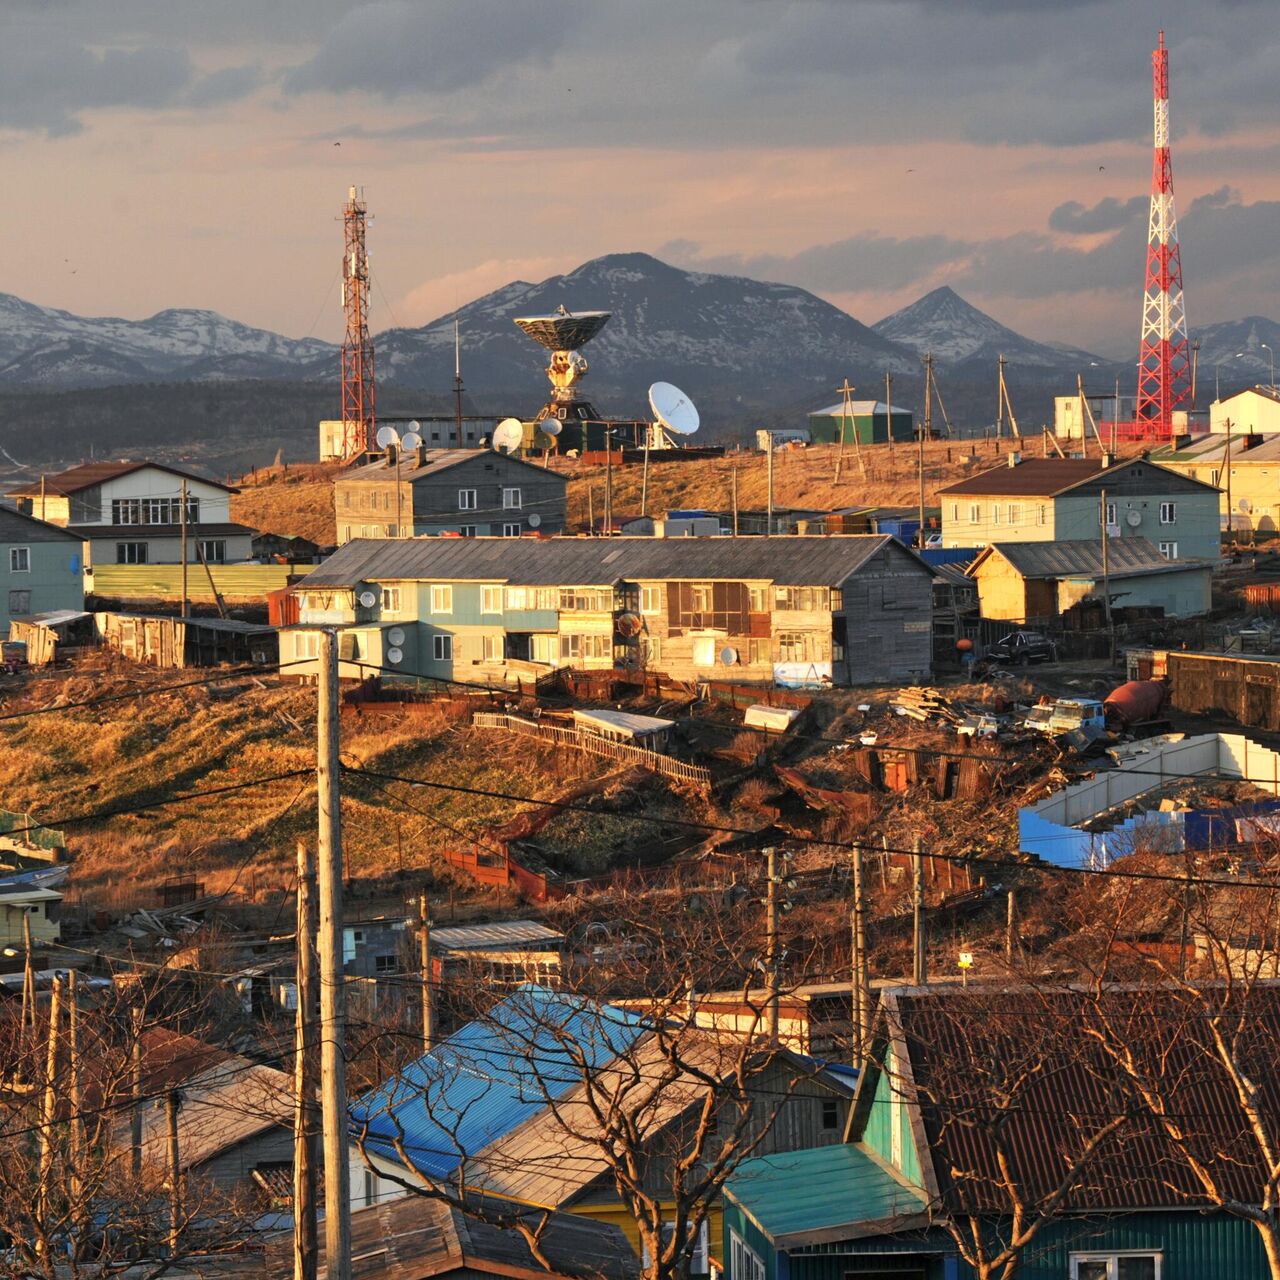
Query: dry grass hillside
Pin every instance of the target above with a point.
(295, 499)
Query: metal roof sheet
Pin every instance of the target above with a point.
(1126, 558)
(841, 1192)
(627, 721)
(16, 527)
(1035, 477)
(488, 1077)
(502, 933)
(435, 461)
(88, 474)
(792, 560)
(859, 408)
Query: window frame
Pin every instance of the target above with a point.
(391, 600)
(219, 557)
(975, 513)
(1169, 550)
(651, 600)
(122, 558)
(1168, 513)
(512, 528)
(744, 1262)
(466, 500)
(490, 642)
(441, 646)
(512, 498)
(1112, 1258)
(467, 530)
(488, 591)
(442, 599)
(16, 608)
(16, 554)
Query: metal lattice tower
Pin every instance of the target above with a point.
(357, 348)
(1164, 365)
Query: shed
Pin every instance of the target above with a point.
(624, 726)
(42, 633)
(774, 719)
(187, 642)
(863, 421)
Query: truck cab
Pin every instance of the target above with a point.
(1065, 715)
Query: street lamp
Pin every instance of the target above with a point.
(1217, 373)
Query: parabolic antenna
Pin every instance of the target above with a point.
(410, 440)
(508, 435)
(534, 520)
(415, 426)
(551, 427)
(673, 409)
(564, 330)
(386, 437)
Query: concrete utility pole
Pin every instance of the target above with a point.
(608, 485)
(333, 1064)
(768, 528)
(644, 478)
(888, 408)
(424, 962)
(925, 430)
(135, 1089)
(305, 1080)
(186, 605)
(860, 1006)
(919, 964)
(28, 979)
(49, 1109)
(171, 1104)
(773, 958)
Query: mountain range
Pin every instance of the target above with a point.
(750, 352)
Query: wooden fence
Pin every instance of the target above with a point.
(560, 736)
(164, 581)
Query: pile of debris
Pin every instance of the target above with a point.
(920, 703)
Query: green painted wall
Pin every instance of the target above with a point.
(886, 1112)
(1196, 527)
(868, 428)
(55, 579)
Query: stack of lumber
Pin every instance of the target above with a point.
(927, 704)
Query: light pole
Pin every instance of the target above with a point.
(1271, 356)
(1217, 374)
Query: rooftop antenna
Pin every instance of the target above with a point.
(457, 381)
(508, 435)
(358, 418)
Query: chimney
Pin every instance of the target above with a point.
(420, 455)
(1014, 457)
(391, 455)
(1108, 460)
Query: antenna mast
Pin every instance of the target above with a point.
(357, 348)
(1164, 366)
(457, 381)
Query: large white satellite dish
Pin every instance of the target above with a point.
(673, 409)
(508, 435)
(386, 437)
(551, 427)
(410, 440)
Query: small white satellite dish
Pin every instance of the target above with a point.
(368, 599)
(1245, 505)
(395, 656)
(551, 427)
(508, 435)
(534, 520)
(396, 636)
(386, 437)
(1133, 519)
(673, 409)
(728, 655)
(410, 440)
(415, 426)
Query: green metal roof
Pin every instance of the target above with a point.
(823, 1194)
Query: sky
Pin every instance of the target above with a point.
(168, 153)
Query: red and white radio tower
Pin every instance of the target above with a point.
(1164, 368)
(357, 349)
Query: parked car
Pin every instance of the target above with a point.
(1023, 647)
(933, 542)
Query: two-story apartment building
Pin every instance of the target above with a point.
(470, 492)
(41, 568)
(1060, 500)
(795, 610)
(131, 513)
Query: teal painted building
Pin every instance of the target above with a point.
(872, 1209)
(863, 421)
(41, 568)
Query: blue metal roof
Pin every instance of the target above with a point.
(490, 1076)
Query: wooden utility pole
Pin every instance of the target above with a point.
(135, 1094)
(1106, 579)
(305, 1077)
(768, 528)
(424, 962)
(772, 954)
(49, 1112)
(925, 431)
(171, 1104)
(1226, 475)
(847, 416)
(860, 1007)
(733, 482)
(1010, 927)
(888, 407)
(186, 605)
(644, 478)
(28, 980)
(919, 964)
(608, 485)
(591, 509)
(333, 1063)
(75, 1101)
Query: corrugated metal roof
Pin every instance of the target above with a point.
(790, 561)
(503, 933)
(16, 527)
(1033, 477)
(435, 461)
(859, 408)
(841, 1191)
(194, 530)
(626, 721)
(489, 1077)
(88, 474)
(1126, 558)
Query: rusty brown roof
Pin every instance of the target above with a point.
(87, 474)
(1032, 477)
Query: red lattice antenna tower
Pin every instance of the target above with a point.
(1164, 364)
(357, 348)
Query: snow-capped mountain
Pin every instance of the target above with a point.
(962, 338)
(716, 336)
(45, 347)
(1236, 353)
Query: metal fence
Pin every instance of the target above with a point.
(563, 736)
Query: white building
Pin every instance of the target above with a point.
(131, 513)
(1254, 411)
(1070, 422)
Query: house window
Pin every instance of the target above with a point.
(386, 964)
(306, 644)
(975, 513)
(995, 513)
(19, 602)
(19, 559)
(442, 647)
(955, 513)
(795, 646)
(744, 1262)
(467, 530)
(491, 648)
(1213, 476)
(758, 652)
(441, 599)
(1169, 550)
(131, 553)
(1042, 514)
(126, 511)
(213, 550)
(1168, 513)
(490, 599)
(1115, 1266)
(652, 650)
(390, 599)
(696, 1250)
(1111, 513)
(511, 530)
(511, 500)
(575, 645)
(650, 599)
(466, 499)
(830, 1113)
(1015, 513)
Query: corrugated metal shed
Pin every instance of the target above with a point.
(1126, 558)
(789, 561)
(489, 1077)
(841, 1192)
(501, 935)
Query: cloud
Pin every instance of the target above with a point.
(439, 296)
(228, 85)
(1107, 215)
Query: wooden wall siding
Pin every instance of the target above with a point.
(1246, 691)
(233, 1169)
(888, 621)
(729, 607)
(41, 642)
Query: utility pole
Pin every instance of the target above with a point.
(171, 1104)
(733, 482)
(888, 409)
(860, 1007)
(424, 962)
(333, 1064)
(28, 980)
(1226, 470)
(1010, 928)
(457, 383)
(186, 607)
(773, 959)
(1000, 399)
(768, 528)
(919, 966)
(135, 1094)
(925, 430)
(76, 1101)
(1106, 580)
(591, 509)
(644, 478)
(49, 1112)
(305, 1081)
(608, 484)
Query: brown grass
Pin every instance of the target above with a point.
(293, 499)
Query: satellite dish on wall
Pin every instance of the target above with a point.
(1133, 519)
(410, 440)
(508, 435)
(396, 636)
(395, 656)
(368, 599)
(1245, 505)
(534, 520)
(728, 655)
(673, 409)
(551, 427)
(629, 624)
(386, 437)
